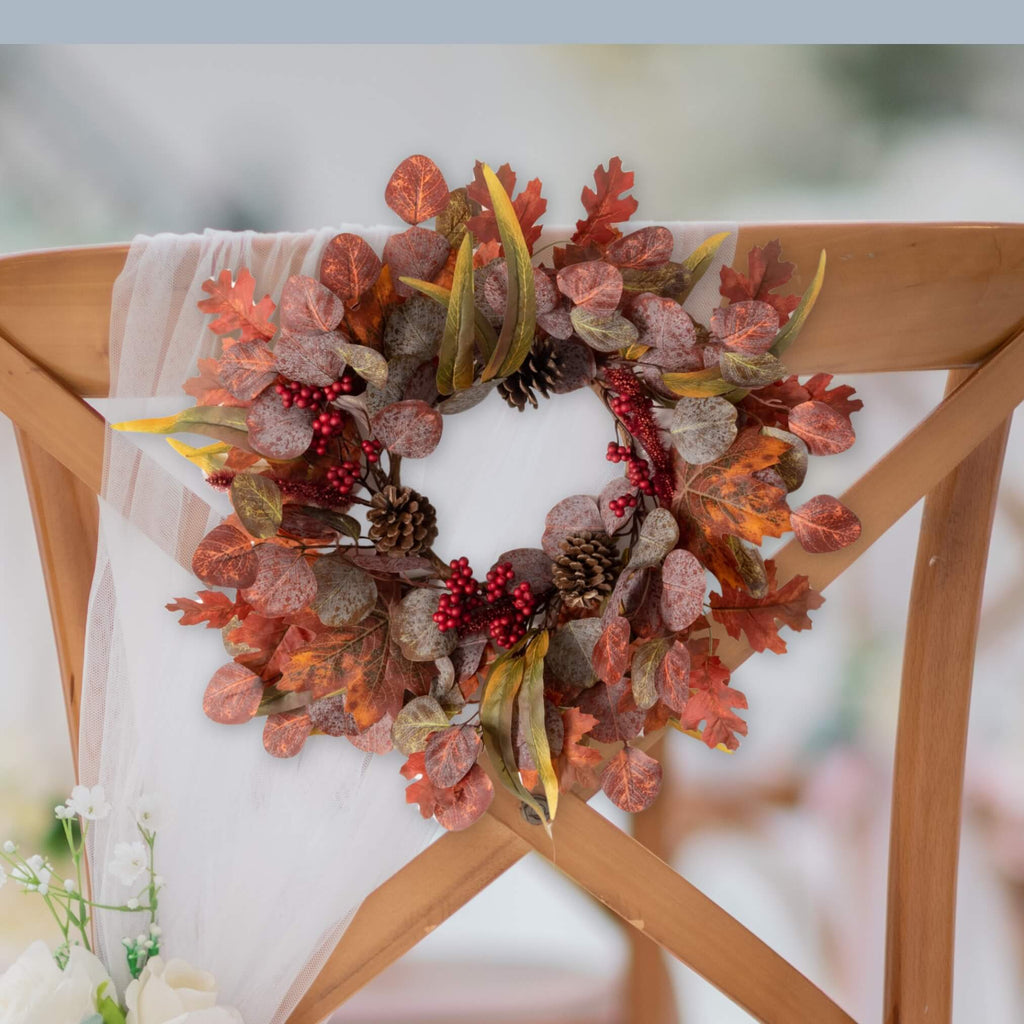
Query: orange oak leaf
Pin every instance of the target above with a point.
(576, 763)
(766, 272)
(232, 303)
(285, 733)
(770, 406)
(759, 618)
(417, 190)
(711, 701)
(255, 642)
(607, 206)
(212, 607)
(529, 206)
(724, 497)
(631, 779)
(246, 369)
(207, 388)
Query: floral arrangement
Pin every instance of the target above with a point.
(71, 985)
(341, 618)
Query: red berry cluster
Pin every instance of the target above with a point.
(637, 469)
(326, 426)
(618, 506)
(304, 396)
(371, 449)
(343, 477)
(470, 607)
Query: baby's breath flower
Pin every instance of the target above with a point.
(91, 804)
(69, 885)
(155, 930)
(128, 862)
(3, 876)
(132, 904)
(147, 813)
(9, 847)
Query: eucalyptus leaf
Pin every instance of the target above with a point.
(751, 371)
(570, 650)
(703, 429)
(792, 465)
(414, 329)
(367, 362)
(468, 398)
(604, 332)
(344, 593)
(415, 722)
(414, 629)
(658, 536)
(257, 501)
(697, 383)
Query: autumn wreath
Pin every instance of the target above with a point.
(560, 657)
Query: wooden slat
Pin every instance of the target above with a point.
(935, 695)
(643, 890)
(949, 293)
(66, 517)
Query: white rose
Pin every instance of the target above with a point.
(34, 990)
(175, 993)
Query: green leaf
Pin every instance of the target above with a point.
(109, 1012)
(531, 716)
(520, 324)
(455, 357)
(697, 383)
(415, 722)
(224, 422)
(503, 683)
(257, 501)
(791, 328)
(486, 336)
(605, 332)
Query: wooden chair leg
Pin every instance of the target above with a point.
(942, 630)
(650, 998)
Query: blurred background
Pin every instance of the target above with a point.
(789, 835)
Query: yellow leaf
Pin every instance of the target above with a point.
(209, 459)
(791, 328)
(697, 383)
(485, 333)
(224, 422)
(455, 357)
(700, 259)
(531, 715)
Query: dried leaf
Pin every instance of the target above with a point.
(414, 628)
(767, 272)
(285, 733)
(611, 652)
(631, 780)
(529, 206)
(468, 801)
(277, 432)
(417, 190)
(309, 359)
(344, 593)
(450, 753)
(603, 332)
(226, 423)
(284, 581)
(666, 328)
(606, 206)
(414, 329)
(822, 428)
(711, 701)
(700, 259)
(257, 502)
(418, 253)
(233, 695)
(683, 583)
(571, 650)
(415, 722)
(246, 369)
(364, 319)
(647, 247)
(749, 327)
(825, 524)
(349, 267)
(724, 497)
(747, 371)
(411, 428)
(225, 557)
(594, 285)
(660, 671)
(703, 429)
(212, 607)
(659, 534)
(232, 303)
(757, 617)
(309, 308)
(572, 515)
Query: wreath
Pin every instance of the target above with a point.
(560, 657)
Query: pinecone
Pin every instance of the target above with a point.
(586, 572)
(538, 370)
(402, 522)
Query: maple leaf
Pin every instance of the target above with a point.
(212, 607)
(207, 388)
(529, 206)
(838, 397)
(766, 272)
(232, 302)
(724, 497)
(757, 617)
(363, 660)
(607, 206)
(711, 701)
(576, 764)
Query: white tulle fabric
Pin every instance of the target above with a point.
(266, 861)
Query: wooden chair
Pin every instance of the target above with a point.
(896, 297)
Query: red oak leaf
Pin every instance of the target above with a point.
(606, 206)
(711, 701)
(529, 206)
(212, 607)
(577, 763)
(767, 271)
(759, 618)
(838, 397)
(232, 302)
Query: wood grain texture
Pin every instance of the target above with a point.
(66, 517)
(935, 695)
(948, 294)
